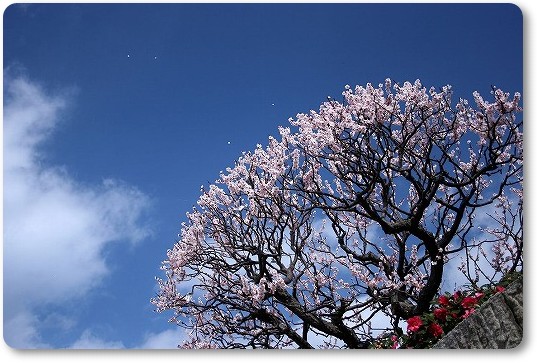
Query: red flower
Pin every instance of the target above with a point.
(443, 300)
(500, 288)
(440, 313)
(469, 302)
(414, 323)
(478, 295)
(456, 295)
(436, 330)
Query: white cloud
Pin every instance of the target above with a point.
(167, 339)
(55, 228)
(90, 341)
(20, 330)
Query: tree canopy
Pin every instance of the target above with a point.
(355, 212)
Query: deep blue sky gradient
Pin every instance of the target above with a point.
(162, 89)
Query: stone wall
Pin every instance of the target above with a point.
(496, 325)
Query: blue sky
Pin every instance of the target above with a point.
(114, 115)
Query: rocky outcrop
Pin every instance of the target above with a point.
(498, 324)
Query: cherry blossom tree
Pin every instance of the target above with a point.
(352, 214)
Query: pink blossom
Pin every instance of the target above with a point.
(468, 312)
(395, 342)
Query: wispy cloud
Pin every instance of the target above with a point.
(88, 340)
(167, 339)
(55, 228)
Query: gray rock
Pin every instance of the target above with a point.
(498, 324)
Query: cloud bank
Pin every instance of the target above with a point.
(55, 228)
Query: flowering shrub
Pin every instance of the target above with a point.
(446, 312)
